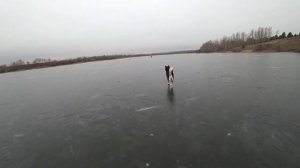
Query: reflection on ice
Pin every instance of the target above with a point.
(170, 94)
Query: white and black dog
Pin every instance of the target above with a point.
(170, 74)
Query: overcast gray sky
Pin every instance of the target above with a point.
(72, 28)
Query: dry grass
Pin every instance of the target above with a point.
(281, 45)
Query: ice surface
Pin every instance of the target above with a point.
(224, 110)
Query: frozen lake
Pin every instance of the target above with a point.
(224, 110)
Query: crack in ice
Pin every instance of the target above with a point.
(147, 108)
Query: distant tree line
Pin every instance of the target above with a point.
(242, 39)
(35, 61)
(42, 63)
(20, 63)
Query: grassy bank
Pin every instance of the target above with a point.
(280, 45)
(257, 40)
(291, 44)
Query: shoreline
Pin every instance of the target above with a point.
(291, 44)
(79, 60)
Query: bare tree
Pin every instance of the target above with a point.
(18, 62)
(238, 39)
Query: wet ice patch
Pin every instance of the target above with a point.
(147, 108)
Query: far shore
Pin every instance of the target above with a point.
(53, 63)
(291, 44)
(279, 45)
